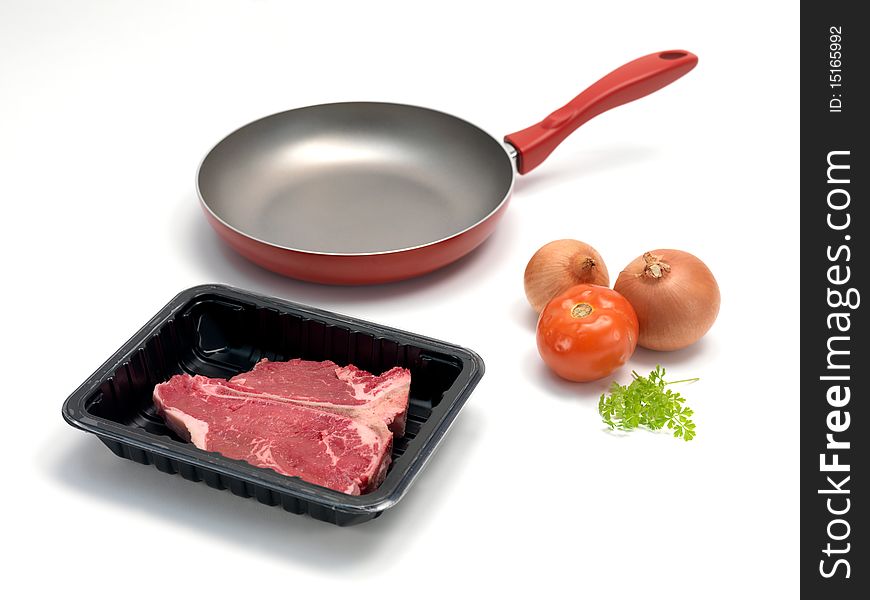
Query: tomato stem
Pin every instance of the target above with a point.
(578, 311)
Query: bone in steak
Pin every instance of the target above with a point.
(337, 440)
(344, 390)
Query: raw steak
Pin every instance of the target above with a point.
(324, 448)
(343, 390)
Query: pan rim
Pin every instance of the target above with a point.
(509, 151)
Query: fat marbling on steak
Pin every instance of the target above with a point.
(322, 437)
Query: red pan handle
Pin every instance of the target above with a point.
(629, 82)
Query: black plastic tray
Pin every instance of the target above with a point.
(218, 331)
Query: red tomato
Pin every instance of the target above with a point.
(587, 332)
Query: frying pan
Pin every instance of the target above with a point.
(369, 192)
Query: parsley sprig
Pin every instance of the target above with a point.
(646, 403)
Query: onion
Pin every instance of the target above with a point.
(675, 296)
(560, 265)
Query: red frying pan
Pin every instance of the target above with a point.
(367, 192)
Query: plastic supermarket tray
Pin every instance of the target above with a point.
(218, 331)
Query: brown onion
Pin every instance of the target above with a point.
(675, 296)
(559, 265)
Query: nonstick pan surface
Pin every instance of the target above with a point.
(368, 192)
(356, 177)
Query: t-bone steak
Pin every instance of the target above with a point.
(294, 418)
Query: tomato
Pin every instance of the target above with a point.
(587, 332)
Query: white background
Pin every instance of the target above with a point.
(106, 109)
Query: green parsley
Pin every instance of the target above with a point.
(646, 403)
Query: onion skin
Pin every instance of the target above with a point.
(675, 296)
(560, 265)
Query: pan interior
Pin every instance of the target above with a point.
(355, 178)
